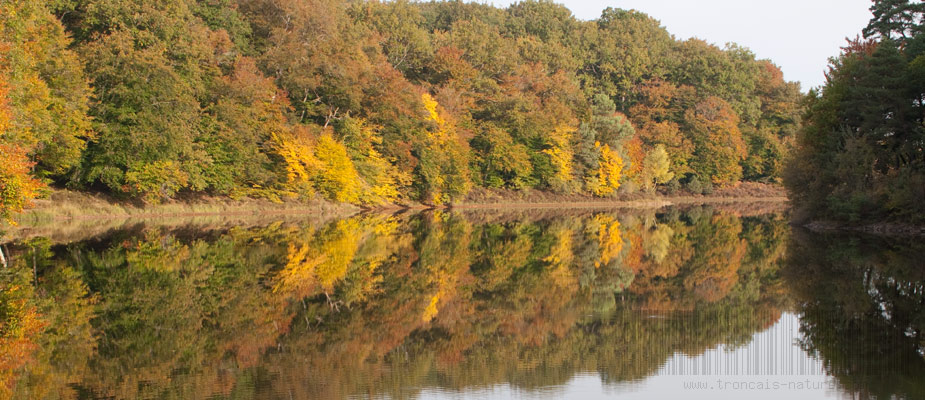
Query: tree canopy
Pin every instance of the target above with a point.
(371, 102)
(861, 152)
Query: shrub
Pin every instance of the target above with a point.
(155, 181)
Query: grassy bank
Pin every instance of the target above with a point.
(66, 215)
(742, 193)
(68, 205)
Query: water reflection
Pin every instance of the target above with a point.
(862, 301)
(412, 305)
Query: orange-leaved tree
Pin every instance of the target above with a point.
(17, 186)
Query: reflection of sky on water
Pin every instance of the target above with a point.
(770, 366)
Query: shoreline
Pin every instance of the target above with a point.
(65, 205)
(87, 211)
(65, 215)
(656, 202)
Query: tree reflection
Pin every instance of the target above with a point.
(862, 306)
(379, 304)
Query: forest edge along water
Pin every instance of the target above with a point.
(336, 199)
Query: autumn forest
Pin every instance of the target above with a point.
(375, 102)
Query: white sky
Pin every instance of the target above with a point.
(797, 35)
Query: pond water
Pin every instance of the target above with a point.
(694, 303)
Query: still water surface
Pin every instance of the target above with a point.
(699, 303)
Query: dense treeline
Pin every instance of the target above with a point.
(338, 309)
(370, 102)
(861, 153)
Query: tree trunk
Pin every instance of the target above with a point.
(35, 273)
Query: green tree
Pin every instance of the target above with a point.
(895, 19)
(247, 111)
(626, 49)
(501, 161)
(859, 153)
(150, 63)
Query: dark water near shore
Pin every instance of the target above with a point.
(697, 303)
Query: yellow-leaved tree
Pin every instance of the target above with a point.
(443, 165)
(656, 168)
(381, 180)
(337, 179)
(606, 180)
(323, 165)
(298, 153)
(560, 156)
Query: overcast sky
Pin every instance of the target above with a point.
(797, 35)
